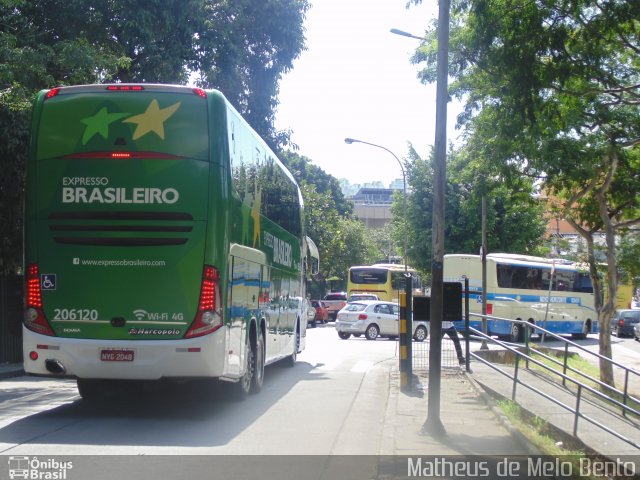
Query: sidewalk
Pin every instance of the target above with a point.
(472, 425)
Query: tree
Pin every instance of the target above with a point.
(515, 218)
(304, 171)
(341, 240)
(552, 90)
(241, 47)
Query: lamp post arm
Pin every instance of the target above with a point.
(404, 190)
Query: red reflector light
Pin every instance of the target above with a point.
(208, 290)
(209, 316)
(33, 355)
(125, 88)
(34, 294)
(200, 92)
(125, 155)
(35, 319)
(489, 308)
(53, 92)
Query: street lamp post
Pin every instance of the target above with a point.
(349, 141)
(405, 34)
(405, 328)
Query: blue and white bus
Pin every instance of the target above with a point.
(552, 294)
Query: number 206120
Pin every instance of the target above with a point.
(75, 314)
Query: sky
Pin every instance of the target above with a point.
(355, 80)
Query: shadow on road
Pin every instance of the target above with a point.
(194, 414)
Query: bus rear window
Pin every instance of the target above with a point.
(368, 276)
(89, 124)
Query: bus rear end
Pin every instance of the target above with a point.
(370, 279)
(118, 196)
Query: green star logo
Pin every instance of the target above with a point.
(99, 124)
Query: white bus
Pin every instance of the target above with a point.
(552, 294)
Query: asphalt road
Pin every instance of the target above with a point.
(301, 410)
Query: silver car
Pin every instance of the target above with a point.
(373, 319)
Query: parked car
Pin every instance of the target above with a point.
(375, 318)
(623, 322)
(356, 297)
(321, 312)
(334, 302)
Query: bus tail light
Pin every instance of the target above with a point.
(34, 318)
(489, 308)
(209, 316)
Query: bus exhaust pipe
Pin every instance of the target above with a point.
(55, 366)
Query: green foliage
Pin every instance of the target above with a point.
(515, 222)
(13, 138)
(241, 47)
(551, 91)
(341, 240)
(306, 172)
(629, 257)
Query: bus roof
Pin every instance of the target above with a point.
(385, 266)
(517, 259)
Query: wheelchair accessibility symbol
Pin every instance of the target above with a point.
(48, 281)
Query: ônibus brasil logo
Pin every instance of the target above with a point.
(37, 469)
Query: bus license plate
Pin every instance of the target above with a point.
(116, 355)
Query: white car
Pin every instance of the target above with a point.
(373, 319)
(357, 297)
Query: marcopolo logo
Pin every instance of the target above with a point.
(96, 190)
(38, 469)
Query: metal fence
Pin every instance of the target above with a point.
(449, 359)
(580, 385)
(11, 291)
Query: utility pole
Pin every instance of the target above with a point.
(483, 254)
(433, 424)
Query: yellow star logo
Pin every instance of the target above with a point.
(152, 120)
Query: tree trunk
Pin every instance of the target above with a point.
(609, 306)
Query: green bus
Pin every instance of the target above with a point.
(163, 240)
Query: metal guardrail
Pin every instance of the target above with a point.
(581, 387)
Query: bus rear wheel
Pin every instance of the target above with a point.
(515, 335)
(257, 379)
(241, 389)
(291, 359)
(586, 329)
(90, 390)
